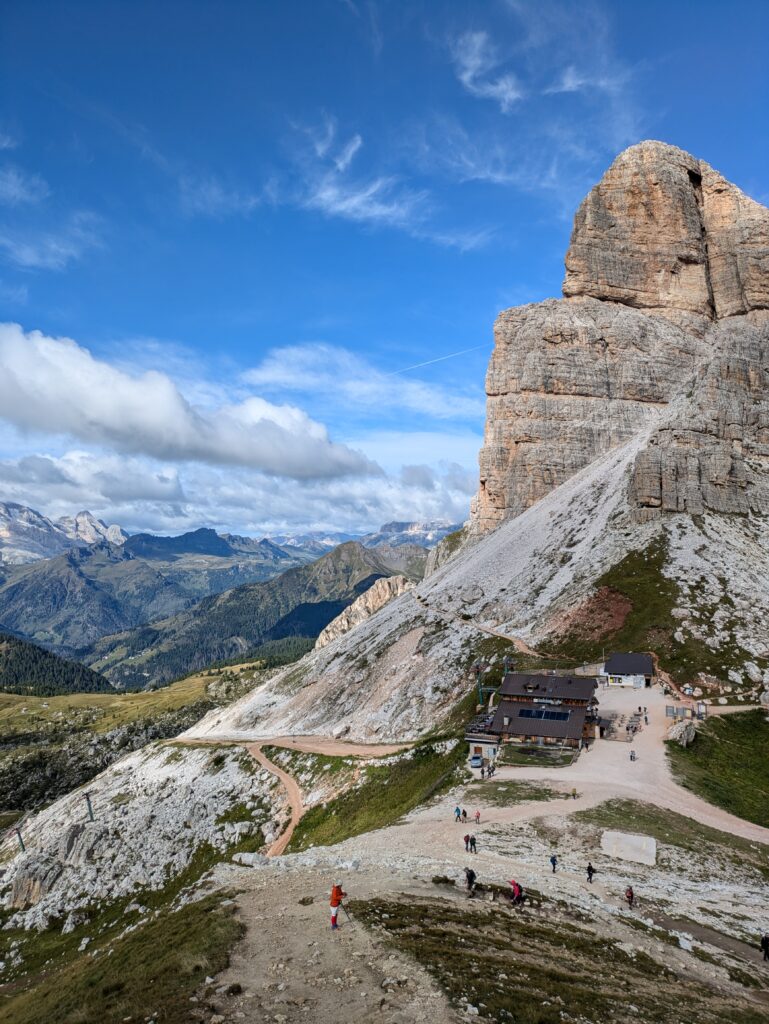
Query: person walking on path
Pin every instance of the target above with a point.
(554, 862)
(516, 892)
(590, 872)
(337, 895)
(467, 842)
(477, 817)
(457, 814)
(765, 945)
(483, 772)
(472, 845)
(470, 877)
(574, 793)
(464, 816)
(630, 896)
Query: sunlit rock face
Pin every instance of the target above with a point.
(664, 254)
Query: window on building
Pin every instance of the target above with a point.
(545, 713)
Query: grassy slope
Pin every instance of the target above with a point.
(387, 793)
(650, 625)
(543, 968)
(102, 711)
(728, 764)
(151, 971)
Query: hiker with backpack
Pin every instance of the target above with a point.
(464, 816)
(477, 817)
(337, 895)
(472, 845)
(467, 842)
(457, 814)
(554, 862)
(630, 896)
(764, 944)
(590, 872)
(470, 877)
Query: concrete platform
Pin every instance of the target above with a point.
(627, 846)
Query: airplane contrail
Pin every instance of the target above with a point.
(440, 359)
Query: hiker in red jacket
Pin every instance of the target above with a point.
(337, 895)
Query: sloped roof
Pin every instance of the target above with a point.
(629, 665)
(520, 684)
(521, 723)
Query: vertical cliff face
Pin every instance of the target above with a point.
(663, 250)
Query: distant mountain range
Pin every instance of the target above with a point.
(26, 535)
(69, 601)
(29, 670)
(66, 584)
(298, 603)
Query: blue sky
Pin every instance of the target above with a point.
(248, 235)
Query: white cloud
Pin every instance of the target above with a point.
(321, 369)
(50, 250)
(381, 200)
(142, 494)
(17, 188)
(346, 156)
(573, 80)
(475, 61)
(54, 386)
(377, 200)
(210, 197)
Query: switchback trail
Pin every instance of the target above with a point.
(310, 745)
(294, 798)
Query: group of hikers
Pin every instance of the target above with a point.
(460, 814)
(487, 773)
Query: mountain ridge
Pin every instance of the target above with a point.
(298, 602)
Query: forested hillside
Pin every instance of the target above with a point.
(299, 603)
(28, 669)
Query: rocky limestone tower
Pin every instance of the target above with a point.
(664, 253)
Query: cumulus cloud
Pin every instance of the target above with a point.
(55, 386)
(321, 368)
(475, 62)
(142, 494)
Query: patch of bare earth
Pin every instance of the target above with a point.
(598, 616)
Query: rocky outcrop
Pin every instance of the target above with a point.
(663, 231)
(663, 250)
(684, 732)
(376, 597)
(714, 453)
(567, 381)
(152, 811)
